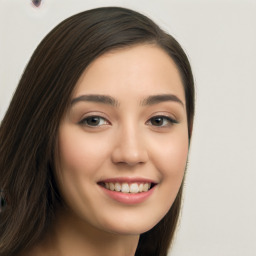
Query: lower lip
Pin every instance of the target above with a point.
(129, 198)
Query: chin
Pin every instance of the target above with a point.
(131, 227)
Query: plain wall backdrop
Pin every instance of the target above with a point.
(219, 212)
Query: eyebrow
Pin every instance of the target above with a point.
(105, 99)
(108, 100)
(155, 99)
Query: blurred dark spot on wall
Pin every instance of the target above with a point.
(36, 3)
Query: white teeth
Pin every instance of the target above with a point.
(125, 188)
(112, 186)
(117, 187)
(145, 187)
(128, 188)
(134, 188)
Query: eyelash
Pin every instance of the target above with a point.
(85, 121)
(170, 121)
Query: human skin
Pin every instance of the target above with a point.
(131, 140)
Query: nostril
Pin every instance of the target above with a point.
(36, 3)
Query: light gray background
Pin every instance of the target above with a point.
(219, 212)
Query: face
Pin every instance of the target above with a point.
(123, 142)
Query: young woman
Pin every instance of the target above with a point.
(94, 145)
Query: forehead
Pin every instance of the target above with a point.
(141, 70)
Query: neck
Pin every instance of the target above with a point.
(72, 236)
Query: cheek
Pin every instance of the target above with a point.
(79, 153)
(170, 158)
(170, 154)
(176, 157)
(79, 161)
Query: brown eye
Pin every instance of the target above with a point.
(161, 121)
(157, 121)
(93, 121)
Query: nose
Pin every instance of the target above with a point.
(130, 148)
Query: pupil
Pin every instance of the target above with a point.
(157, 121)
(93, 121)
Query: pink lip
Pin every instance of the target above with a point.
(128, 198)
(128, 180)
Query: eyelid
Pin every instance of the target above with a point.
(164, 114)
(94, 113)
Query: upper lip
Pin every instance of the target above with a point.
(128, 180)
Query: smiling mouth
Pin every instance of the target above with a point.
(124, 187)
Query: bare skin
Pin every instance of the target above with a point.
(71, 236)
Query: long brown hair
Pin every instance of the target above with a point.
(28, 133)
